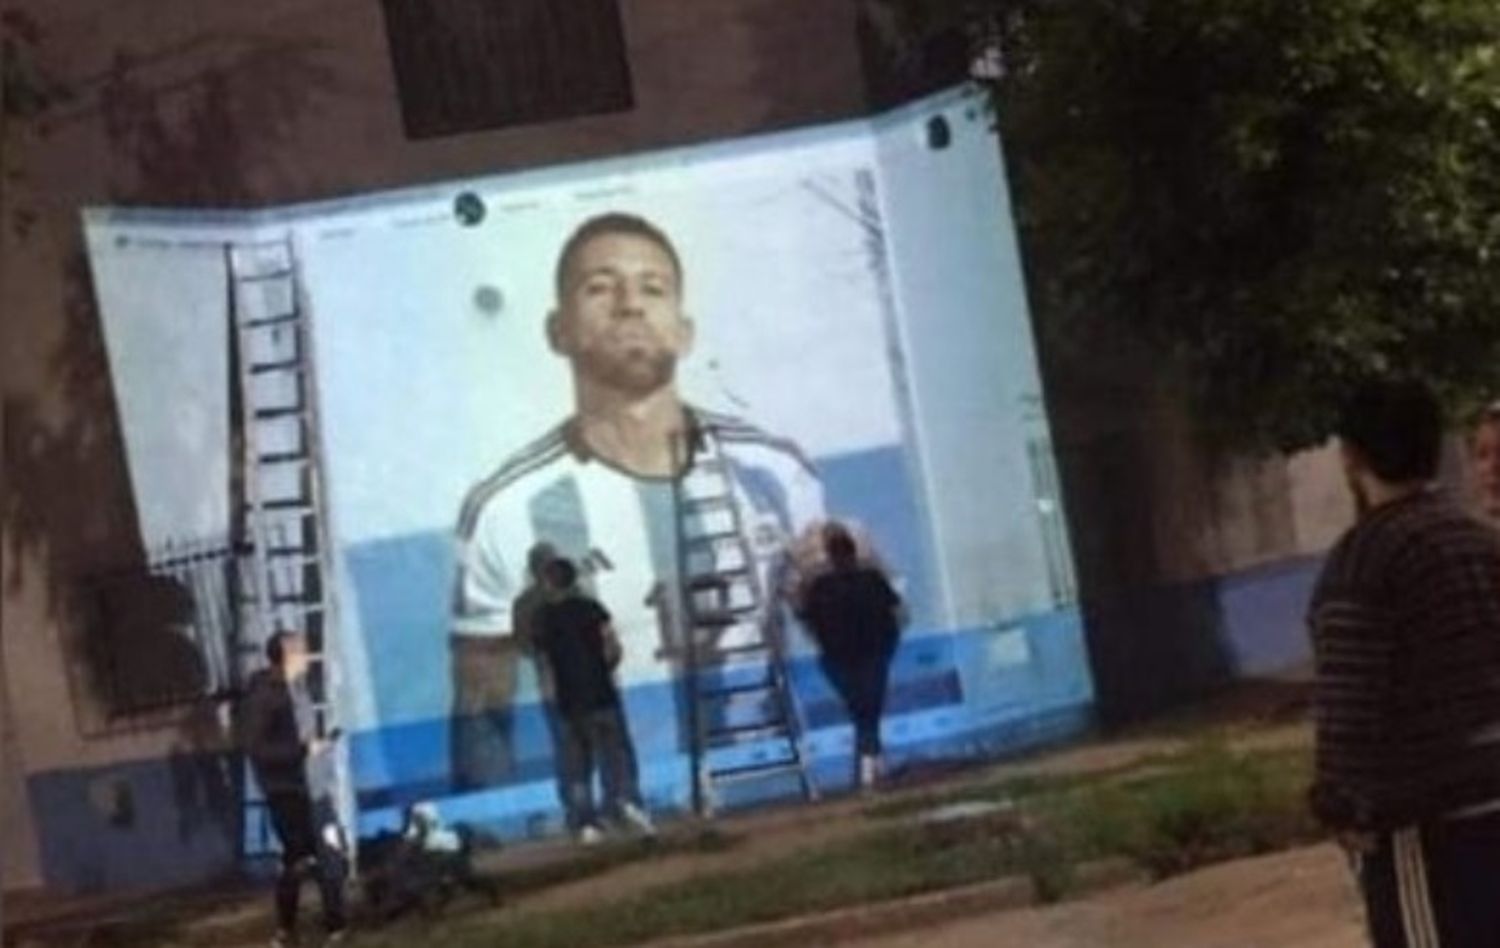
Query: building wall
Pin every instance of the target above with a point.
(222, 103)
(18, 852)
(1194, 564)
(225, 103)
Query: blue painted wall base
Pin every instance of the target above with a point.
(969, 697)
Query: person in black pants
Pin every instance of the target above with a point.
(294, 767)
(575, 633)
(1405, 622)
(856, 618)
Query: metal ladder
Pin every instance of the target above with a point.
(281, 532)
(739, 699)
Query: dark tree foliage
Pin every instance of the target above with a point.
(1279, 196)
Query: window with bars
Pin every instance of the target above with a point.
(468, 65)
(161, 636)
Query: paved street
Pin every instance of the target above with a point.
(1300, 899)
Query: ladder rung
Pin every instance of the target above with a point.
(729, 691)
(723, 618)
(706, 539)
(717, 620)
(268, 414)
(301, 604)
(265, 321)
(297, 505)
(712, 656)
(720, 580)
(282, 555)
(300, 557)
(765, 731)
(755, 771)
(707, 501)
(284, 457)
(284, 365)
(264, 277)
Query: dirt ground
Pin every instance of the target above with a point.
(1304, 898)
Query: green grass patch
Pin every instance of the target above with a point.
(1170, 814)
(1011, 789)
(888, 863)
(1205, 805)
(173, 927)
(587, 864)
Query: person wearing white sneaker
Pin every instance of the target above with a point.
(638, 819)
(856, 618)
(293, 765)
(590, 835)
(576, 634)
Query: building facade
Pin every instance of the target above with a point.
(224, 105)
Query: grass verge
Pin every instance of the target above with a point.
(1170, 814)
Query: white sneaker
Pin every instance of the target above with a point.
(637, 819)
(869, 771)
(590, 835)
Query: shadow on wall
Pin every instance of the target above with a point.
(66, 498)
(159, 643)
(1151, 645)
(898, 67)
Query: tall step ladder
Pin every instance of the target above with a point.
(742, 714)
(281, 530)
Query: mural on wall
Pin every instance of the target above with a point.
(612, 362)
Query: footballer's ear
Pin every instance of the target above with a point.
(557, 332)
(687, 334)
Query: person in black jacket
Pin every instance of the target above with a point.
(577, 636)
(856, 618)
(295, 769)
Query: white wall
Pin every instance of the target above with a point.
(970, 361)
(169, 362)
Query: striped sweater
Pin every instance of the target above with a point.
(1406, 631)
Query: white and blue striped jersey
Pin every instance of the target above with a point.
(626, 528)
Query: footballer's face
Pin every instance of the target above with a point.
(619, 318)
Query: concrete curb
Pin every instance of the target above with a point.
(909, 914)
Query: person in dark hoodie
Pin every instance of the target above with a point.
(294, 766)
(577, 635)
(856, 617)
(1405, 622)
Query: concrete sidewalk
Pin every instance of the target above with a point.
(1303, 898)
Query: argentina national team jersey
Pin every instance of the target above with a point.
(623, 531)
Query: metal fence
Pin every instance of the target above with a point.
(163, 635)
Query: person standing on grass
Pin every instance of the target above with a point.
(293, 765)
(1405, 623)
(577, 636)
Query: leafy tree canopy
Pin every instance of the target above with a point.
(1278, 195)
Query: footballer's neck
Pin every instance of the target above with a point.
(641, 435)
